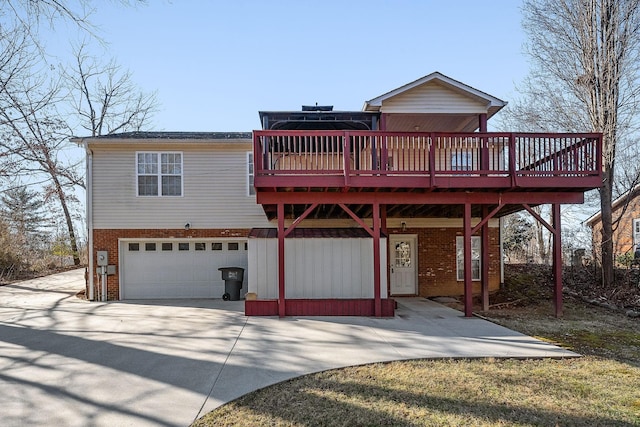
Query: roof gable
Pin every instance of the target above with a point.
(437, 84)
(615, 205)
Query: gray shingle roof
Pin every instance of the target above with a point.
(178, 135)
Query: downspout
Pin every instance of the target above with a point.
(89, 202)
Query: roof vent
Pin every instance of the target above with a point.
(317, 107)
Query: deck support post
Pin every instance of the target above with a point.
(484, 250)
(385, 231)
(482, 122)
(376, 260)
(557, 260)
(281, 231)
(468, 297)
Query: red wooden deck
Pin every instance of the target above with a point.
(379, 174)
(376, 160)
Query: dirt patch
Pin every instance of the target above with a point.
(596, 320)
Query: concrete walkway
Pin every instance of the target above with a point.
(69, 362)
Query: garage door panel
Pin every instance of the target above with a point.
(174, 273)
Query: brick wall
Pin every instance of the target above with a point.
(437, 261)
(623, 235)
(436, 257)
(107, 240)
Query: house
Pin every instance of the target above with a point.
(329, 212)
(626, 235)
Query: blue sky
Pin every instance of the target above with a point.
(215, 64)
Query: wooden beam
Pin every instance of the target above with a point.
(357, 219)
(385, 230)
(298, 220)
(434, 198)
(541, 220)
(486, 217)
(484, 261)
(376, 261)
(281, 288)
(557, 260)
(468, 283)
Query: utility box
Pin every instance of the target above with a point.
(232, 277)
(103, 258)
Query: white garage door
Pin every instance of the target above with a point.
(173, 268)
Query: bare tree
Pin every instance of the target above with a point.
(35, 122)
(37, 137)
(30, 15)
(585, 77)
(105, 98)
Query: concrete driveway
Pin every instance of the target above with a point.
(69, 362)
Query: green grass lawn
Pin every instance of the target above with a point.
(600, 389)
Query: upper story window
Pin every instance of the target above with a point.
(461, 161)
(251, 190)
(159, 174)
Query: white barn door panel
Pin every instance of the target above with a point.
(316, 268)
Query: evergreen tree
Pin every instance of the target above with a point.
(23, 210)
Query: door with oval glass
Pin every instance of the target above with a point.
(403, 268)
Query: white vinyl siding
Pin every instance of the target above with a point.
(476, 243)
(214, 192)
(433, 97)
(317, 268)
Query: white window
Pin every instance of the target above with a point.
(636, 232)
(251, 190)
(159, 174)
(461, 161)
(475, 257)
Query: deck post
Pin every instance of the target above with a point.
(385, 231)
(482, 122)
(468, 297)
(281, 300)
(557, 260)
(376, 260)
(484, 144)
(484, 250)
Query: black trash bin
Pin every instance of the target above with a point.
(232, 277)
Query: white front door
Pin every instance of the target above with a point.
(403, 257)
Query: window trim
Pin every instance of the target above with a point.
(159, 173)
(460, 272)
(251, 173)
(635, 234)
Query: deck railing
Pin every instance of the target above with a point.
(358, 156)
